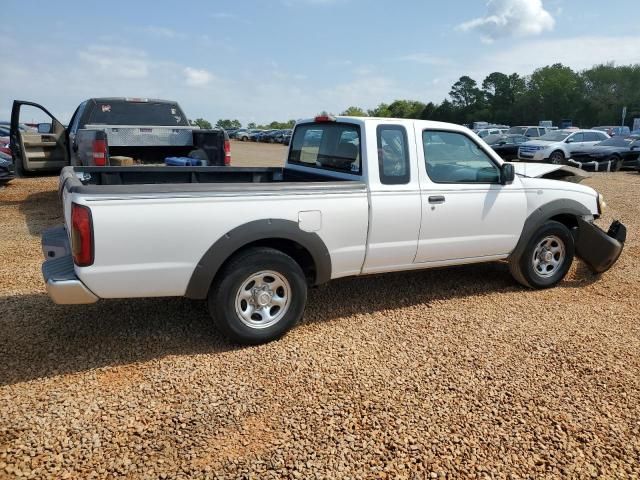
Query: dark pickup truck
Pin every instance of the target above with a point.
(115, 132)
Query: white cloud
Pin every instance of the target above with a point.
(511, 18)
(116, 61)
(197, 77)
(579, 53)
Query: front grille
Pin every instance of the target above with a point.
(530, 149)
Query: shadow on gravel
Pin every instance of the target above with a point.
(40, 339)
(41, 210)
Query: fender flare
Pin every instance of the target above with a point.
(543, 213)
(232, 241)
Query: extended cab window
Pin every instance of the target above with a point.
(452, 157)
(393, 154)
(329, 146)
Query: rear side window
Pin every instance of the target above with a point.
(329, 146)
(592, 137)
(600, 136)
(393, 155)
(119, 112)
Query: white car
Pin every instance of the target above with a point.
(557, 146)
(485, 132)
(357, 196)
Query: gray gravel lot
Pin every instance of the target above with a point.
(445, 373)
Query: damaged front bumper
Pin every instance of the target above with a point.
(599, 249)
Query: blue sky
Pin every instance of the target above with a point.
(280, 59)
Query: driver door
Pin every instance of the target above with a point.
(41, 148)
(467, 214)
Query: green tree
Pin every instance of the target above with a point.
(429, 111)
(446, 112)
(399, 109)
(465, 93)
(228, 124)
(354, 112)
(202, 123)
(501, 93)
(251, 125)
(554, 92)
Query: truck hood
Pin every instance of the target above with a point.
(546, 170)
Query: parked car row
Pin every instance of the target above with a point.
(590, 149)
(257, 135)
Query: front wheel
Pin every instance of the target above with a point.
(557, 158)
(260, 295)
(547, 257)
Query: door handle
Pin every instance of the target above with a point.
(436, 199)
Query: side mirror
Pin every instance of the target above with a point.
(569, 140)
(502, 142)
(44, 128)
(507, 173)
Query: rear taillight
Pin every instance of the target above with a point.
(227, 153)
(81, 235)
(325, 118)
(100, 152)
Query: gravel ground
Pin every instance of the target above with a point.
(448, 373)
(244, 154)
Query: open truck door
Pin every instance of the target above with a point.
(44, 149)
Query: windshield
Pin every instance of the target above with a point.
(122, 112)
(518, 130)
(554, 136)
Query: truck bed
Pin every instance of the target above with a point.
(153, 179)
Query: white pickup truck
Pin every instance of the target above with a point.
(356, 196)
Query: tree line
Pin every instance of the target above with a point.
(556, 92)
(229, 124)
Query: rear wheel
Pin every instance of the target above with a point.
(547, 257)
(557, 158)
(260, 295)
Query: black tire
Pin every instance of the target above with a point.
(557, 158)
(229, 284)
(524, 268)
